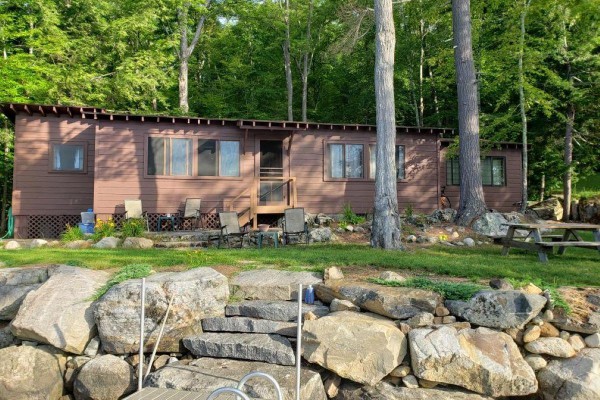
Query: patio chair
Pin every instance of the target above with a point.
(294, 224)
(133, 209)
(191, 211)
(230, 227)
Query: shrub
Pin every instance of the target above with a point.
(71, 234)
(450, 290)
(408, 210)
(133, 227)
(131, 271)
(349, 217)
(104, 229)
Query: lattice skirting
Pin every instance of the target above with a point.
(51, 226)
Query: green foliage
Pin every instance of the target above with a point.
(349, 217)
(408, 210)
(557, 299)
(131, 271)
(104, 229)
(71, 234)
(133, 227)
(450, 290)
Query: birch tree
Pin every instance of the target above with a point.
(187, 48)
(525, 160)
(287, 60)
(472, 203)
(386, 220)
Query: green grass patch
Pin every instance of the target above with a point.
(132, 271)
(557, 299)
(577, 267)
(450, 290)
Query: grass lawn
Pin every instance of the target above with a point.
(578, 267)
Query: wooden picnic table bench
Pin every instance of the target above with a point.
(570, 238)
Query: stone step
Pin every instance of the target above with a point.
(204, 375)
(271, 284)
(273, 310)
(274, 349)
(248, 325)
(176, 245)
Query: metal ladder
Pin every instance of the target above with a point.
(242, 382)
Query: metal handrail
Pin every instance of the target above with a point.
(261, 375)
(219, 391)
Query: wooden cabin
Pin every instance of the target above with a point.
(70, 159)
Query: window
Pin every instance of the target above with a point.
(346, 160)
(492, 171)
(218, 158)
(169, 156)
(399, 161)
(68, 157)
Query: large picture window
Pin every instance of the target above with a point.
(492, 171)
(346, 160)
(169, 156)
(399, 161)
(218, 157)
(67, 157)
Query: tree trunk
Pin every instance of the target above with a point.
(472, 203)
(435, 98)
(5, 180)
(306, 62)
(186, 50)
(288, 64)
(524, 196)
(183, 85)
(386, 219)
(568, 163)
(543, 187)
(421, 66)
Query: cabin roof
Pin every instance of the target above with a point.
(12, 109)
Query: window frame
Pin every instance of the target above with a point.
(170, 138)
(53, 143)
(195, 144)
(373, 145)
(327, 160)
(218, 166)
(454, 160)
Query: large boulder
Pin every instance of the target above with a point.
(549, 209)
(137, 243)
(574, 323)
(490, 224)
(35, 243)
(392, 302)
(500, 309)
(12, 245)
(205, 375)
(197, 294)
(107, 243)
(589, 209)
(273, 349)
(60, 312)
(322, 234)
(361, 347)
(15, 283)
(31, 373)
(386, 391)
(577, 378)
(481, 360)
(552, 346)
(271, 284)
(104, 378)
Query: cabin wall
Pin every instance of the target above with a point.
(37, 191)
(500, 198)
(318, 193)
(120, 170)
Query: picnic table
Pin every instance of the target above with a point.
(570, 238)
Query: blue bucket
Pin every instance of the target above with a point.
(87, 228)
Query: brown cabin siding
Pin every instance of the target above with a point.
(500, 198)
(37, 190)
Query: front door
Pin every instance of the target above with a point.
(271, 165)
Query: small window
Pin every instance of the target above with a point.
(218, 158)
(346, 160)
(169, 156)
(492, 171)
(68, 157)
(399, 161)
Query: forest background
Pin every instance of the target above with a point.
(126, 55)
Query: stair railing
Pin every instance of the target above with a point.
(238, 391)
